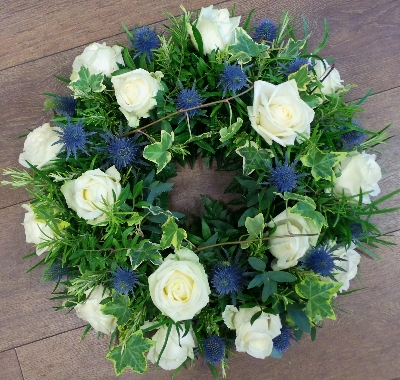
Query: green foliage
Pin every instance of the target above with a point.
(119, 308)
(172, 234)
(244, 48)
(158, 152)
(87, 82)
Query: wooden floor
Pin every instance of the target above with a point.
(40, 38)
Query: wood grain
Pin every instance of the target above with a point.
(26, 311)
(9, 366)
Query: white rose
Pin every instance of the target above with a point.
(288, 250)
(228, 316)
(179, 287)
(99, 59)
(176, 351)
(332, 82)
(350, 265)
(35, 230)
(135, 92)
(217, 29)
(256, 338)
(90, 311)
(39, 148)
(87, 194)
(278, 114)
(358, 171)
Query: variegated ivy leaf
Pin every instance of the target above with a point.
(301, 77)
(253, 157)
(172, 234)
(158, 152)
(308, 211)
(255, 227)
(321, 163)
(118, 308)
(245, 47)
(313, 100)
(292, 48)
(228, 132)
(87, 82)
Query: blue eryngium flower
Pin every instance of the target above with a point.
(282, 341)
(356, 231)
(283, 176)
(62, 105)
(73, 137)
(295, 65)
(55, 272)
(122, 152)
(144, 41)
(265, 31)
(188, 98)
(124, 280)
(352, 138)
(232, 78)
(321, 260)
(227, 278)
(214, 349)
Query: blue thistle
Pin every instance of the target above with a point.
(214, 349)
(122, 152)
(62, 105)
(295, 65)
(55, 272)
(188, 98)
(352, 138)
(356, 231)
(227, 278)
(283, 176)
(321, 260)
(124, 280)
(73, 137)
(265, 31)
(144, 41)
(283, 341)
(233, 78)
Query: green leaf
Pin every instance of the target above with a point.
(257, 263)
(158, 152)
(119, 308)
(292, 48)
(319, 295)
(307, 211)
(172, 234)
(228, 132)
(134, 219)
(253, 157)
(301, 198)
(321, 164)
(198, 39)
(245, 47)
(87, 82)
(128, 59)
(280, 276)
(144, 251)
(301, 77)
(300, 318)
(313, 100)
(130, 354)
(205, 229)
(256, 281)
(270, 287)
(254, 226)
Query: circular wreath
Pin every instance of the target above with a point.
(254, 274)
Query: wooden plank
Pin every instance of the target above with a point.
(26, 312)
(361, 344)
(9, 366)
(33, 29)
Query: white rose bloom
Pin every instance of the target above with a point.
(350, 265)
(278, 114)
(358, 171)
(87, 194)
(38, 148)
(35, 230)
(288, 250)
(228, 316)
(90, 311)
(176, 351)
(332, 82)
(99, 59)
(179, 287)
(135, 92)
(256, 338)
(217, 29)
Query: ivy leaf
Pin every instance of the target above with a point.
(301, 77)
(144, 251)
(119, 308)
(131, 354)
(158, 152)
(254, 226)
(319, 295)
(228, 132)
(321, 164)
(172, 234)
(253, 157)
(313, 100)
(87, 82)
(292, 48)
(245, 47)
(307, 211)
(297, 197)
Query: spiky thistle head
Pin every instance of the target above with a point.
(227, 278)
(265, 30)
(295, 65)
(144, 41)
(353, 137)
(124, 280)
(232, 78)
(55, 272)
(62, 105)
(73, 137)
(283, 341)
(189, 98)
(214, 349)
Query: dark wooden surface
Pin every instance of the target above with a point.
(41, 38)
